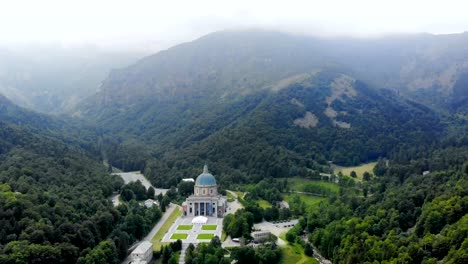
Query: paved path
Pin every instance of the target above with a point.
(229, 243)
(233, 206)
(276, 229)
(152, 233)
(182, 253)
(115, 199)
(135, 176)
(161, 222)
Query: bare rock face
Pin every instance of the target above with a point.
(296, 102)
(308, 121)
(341, 87)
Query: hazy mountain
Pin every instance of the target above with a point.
(255, 105)
(296, 98)
(230, 64)
(325, 117)
(53, 79)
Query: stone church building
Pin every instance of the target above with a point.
(205, 200)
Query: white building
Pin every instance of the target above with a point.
(261, 236)
(150, 203)
(188, 180)
(143, 253)
(205, 201)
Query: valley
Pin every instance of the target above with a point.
(358, 147)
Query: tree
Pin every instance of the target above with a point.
(165, 202)
(291, 237)
(185, 188)
(308, 250)
(353, 174)
(127, 194)
(215, 242)
(150, 193)
(366, 176)
(105, 252)
(166, 253)
(243, 254)
(173, 259)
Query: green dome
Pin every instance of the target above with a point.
(205, 179)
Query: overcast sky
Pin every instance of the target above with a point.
(152, 24)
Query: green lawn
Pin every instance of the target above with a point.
(209, 227)
(205, 236)
(297, 184)
(179, 236)
(185, 227)
(294, 253)
(309, 200)
(239, 194)
(264, 204)
(164, 228)
(369, 167)
(230, 197)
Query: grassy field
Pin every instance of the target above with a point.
(309, 200)
(264, 204)
(185, 227)
(240, 194)
(179, 236)
(369, 167)
(230, 197)
(164, 228)
(209, 227)
(205, 236)
(294, 253)
(297, 184)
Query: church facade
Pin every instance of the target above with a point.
(205, 200)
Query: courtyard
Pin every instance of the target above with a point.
(184, 230)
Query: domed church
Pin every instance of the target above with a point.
(205, 199)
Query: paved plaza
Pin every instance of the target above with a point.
(192, 233)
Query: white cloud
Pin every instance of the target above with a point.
(158, 24)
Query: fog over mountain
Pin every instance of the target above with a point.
(52, 78)
(328, 132)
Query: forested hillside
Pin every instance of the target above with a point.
(300, 123)
(54, 205)
(409, 218)
(292, 129)
(259, 103)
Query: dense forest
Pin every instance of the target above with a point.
(54, 197)
(257, 137)
(408, 218)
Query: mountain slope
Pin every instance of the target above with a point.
(226, 65)
(327, 117)
(53, 79)
(188, 98)
(53, 193)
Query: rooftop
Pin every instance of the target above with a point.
(143, 248)
(206, 178)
